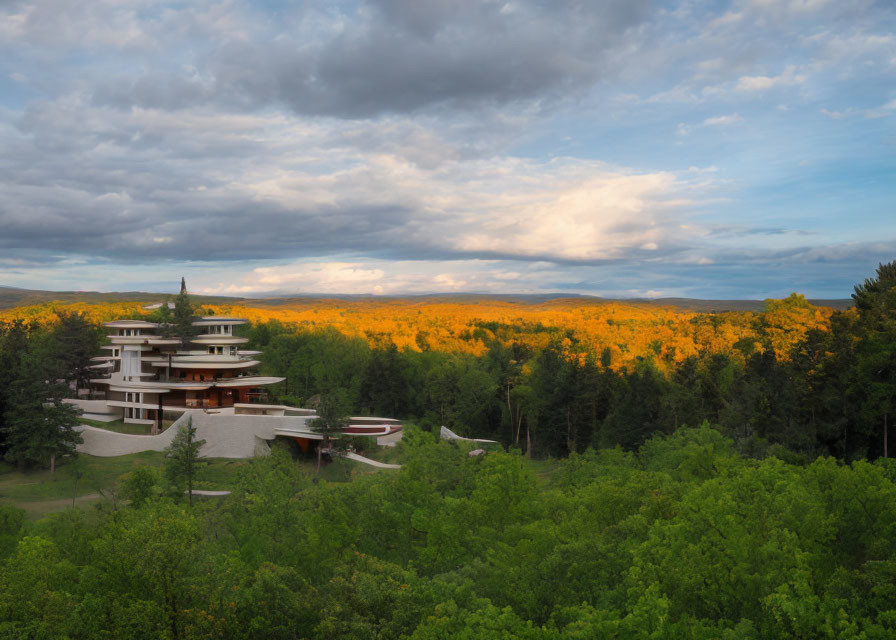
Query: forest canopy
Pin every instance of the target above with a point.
(560, 376)
(687, 538)
(740, 491)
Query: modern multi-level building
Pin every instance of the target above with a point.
(207, 379)
(148, 374)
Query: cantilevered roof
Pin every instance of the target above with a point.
(140, 387)
(147, 339)
(207, 364)
(248, 381)
(220, 338)
(152, 386)
(295, 432)
(210, 321)
(130, 324)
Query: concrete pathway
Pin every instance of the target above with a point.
(106, 444)
(372, 463)
(390, 440)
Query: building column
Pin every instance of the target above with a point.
(158, 426)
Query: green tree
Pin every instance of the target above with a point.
(14, 339)
(875, 374)
(183, 460)
(139, 485)
(35, 592)
(150, 561)
(72, 342)
(383, 388)
(876, 297)
(476, 400)
(332, 418)
(178, 322)
(548, 426)
(11, 521)
(637, 412)
(38, 426)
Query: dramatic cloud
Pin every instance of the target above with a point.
(384, 146)
(256, 200)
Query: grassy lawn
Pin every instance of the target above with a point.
(90, 479)
(119, 426)
(220, 473)
(381, 454)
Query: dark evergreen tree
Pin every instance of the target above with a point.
(183, 460)
(550, 429)
(183, 316)
(637, 409)
(383, 385)
(13, 346)
(38, 427)
(876, 297)
(73, 341)
(874, 383)
(332, 418)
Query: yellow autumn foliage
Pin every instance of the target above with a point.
(625, 331)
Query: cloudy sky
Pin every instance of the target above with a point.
(714, 149)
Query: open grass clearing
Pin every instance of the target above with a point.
(88, 480)
(120, 426)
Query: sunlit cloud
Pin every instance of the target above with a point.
(384, 147)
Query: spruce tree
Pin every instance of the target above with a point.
(183, 460)
(38, 427)
(331, 419)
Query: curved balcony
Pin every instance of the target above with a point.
(218, 339)
(212, 321)
(155, 341)
(130, 324)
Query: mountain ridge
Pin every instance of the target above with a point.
(16, 297)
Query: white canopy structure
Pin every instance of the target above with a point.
(447, 434)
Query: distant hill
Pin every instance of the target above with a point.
(14, 297)
(687, 304)
(710, 306)
(428, 298)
